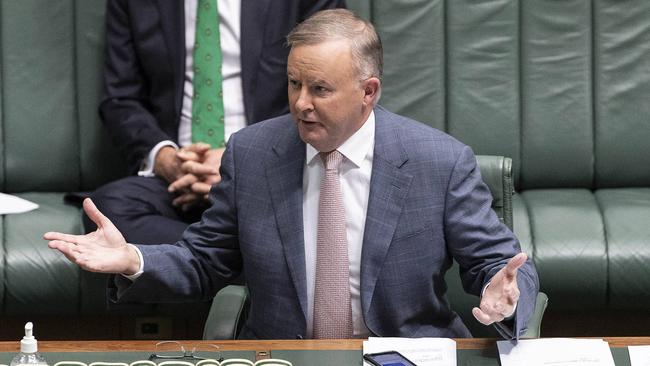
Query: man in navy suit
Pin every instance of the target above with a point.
(147, 102)
(413, 200)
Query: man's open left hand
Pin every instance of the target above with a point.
(500, 297)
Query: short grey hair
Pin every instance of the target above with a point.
(342, 24)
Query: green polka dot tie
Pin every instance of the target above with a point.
(207, 104)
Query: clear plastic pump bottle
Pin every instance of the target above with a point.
(28, 350)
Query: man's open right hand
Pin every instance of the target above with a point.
(104, 250)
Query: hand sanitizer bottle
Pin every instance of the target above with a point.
(28, 350)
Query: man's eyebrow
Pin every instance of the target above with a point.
(318, 81)
(311, 80)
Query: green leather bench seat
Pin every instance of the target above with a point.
(569, 246)
(561, 87)
(597, 240)
(626, 219)
(35, 277)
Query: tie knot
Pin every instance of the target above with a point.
(332, 159)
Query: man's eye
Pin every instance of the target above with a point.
(321, 89)
(293, 83)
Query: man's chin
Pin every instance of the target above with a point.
(314, 140)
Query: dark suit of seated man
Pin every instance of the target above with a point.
(148, 101)
(329, 251)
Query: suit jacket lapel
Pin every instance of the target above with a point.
(253, 24)
(388, 189)
(284, 176)
(172, 22)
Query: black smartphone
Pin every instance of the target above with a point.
(390, 358)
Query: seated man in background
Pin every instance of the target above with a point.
(162, 92)
(344, 216)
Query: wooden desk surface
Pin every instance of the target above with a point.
(353, 344)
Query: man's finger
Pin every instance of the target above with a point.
(55, 236)
(185, 198)
(182, 183)
(198, 147)
(514, 263)
(58, 244)
(94, 214)
(67, 248)
(193, 167)
(482, 317)
(212, 179)
(201, 188)
(185, 155)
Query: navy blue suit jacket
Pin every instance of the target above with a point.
(145, 66)
(427, 205)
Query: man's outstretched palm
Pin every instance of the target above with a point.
(104, 250)
(500, 297)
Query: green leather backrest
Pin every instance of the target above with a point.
(496, 172)
(38, 95)
(50, 56)
(560, 86)
(99, 161)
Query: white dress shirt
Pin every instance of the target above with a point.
(354, 174)
(233, 97)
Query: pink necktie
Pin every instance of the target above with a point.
(332, 308)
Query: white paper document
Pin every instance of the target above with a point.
(639, 355)
(11, 204)
(555, 352)
(422, 351)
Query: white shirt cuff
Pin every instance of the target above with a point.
(146, 169)
(135, 276)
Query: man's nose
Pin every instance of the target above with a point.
(304, 101)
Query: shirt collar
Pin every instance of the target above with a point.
(356, 147)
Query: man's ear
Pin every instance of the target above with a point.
(371, 88)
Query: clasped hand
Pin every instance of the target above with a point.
(191, 171)
(500, 297)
